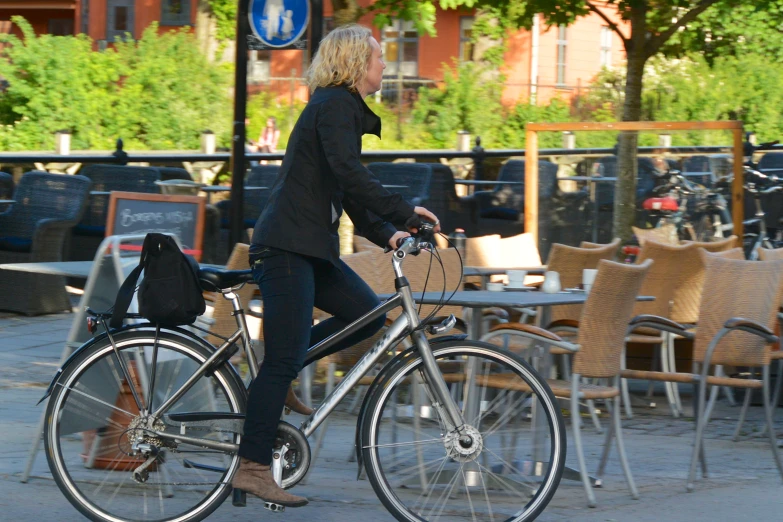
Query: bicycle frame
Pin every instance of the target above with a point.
(404, 325)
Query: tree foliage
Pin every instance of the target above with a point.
(158, 92)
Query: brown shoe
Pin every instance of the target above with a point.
(293, 403)
(257, 479)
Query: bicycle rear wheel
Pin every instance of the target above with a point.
(97, 441)
(505, 464)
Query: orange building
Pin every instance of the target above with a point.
(102, 20)
(540, 64)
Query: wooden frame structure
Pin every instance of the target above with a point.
(198, 234)
(531, 157)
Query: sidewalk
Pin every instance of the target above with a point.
(743, 484)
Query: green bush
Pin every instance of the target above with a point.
(156, 93)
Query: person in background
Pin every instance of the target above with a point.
(267, 141)
(295, 251)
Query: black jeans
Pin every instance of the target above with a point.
(291, 285)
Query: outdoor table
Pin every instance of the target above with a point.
(484, 182)
(487, 271)
(476, 300)
(593, 196)
(222, 188)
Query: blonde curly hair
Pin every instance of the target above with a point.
(342, 58)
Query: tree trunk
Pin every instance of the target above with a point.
(627, 142)
(205, 30)
(625, 188)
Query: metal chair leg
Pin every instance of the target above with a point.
(621, 446)
(699, 407)
(673, 366)
(576, 425)
(607, 444)
(626, 398)
(768, 413)
(668, 386)
(743, 413)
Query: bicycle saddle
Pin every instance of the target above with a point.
(215, 279)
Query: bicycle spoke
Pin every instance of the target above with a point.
(488, 485)
(99, 428)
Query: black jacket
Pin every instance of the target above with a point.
(321, 175)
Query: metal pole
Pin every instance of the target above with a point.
(238, 138)
(316, 25)
(399, 101)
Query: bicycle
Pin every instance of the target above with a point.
(144, 422)
(696, 212)
(752, 241)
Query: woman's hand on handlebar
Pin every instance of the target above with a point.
(429, 216)
(396, 240)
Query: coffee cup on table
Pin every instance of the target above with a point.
(588, 277)
(495, 287)
(516, 278)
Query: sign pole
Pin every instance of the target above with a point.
(316, 25)
(239, 131)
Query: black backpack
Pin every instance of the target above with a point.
(170, 293)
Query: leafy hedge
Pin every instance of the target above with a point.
(156, 93)
(160, 92)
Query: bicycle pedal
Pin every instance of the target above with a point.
(239, 498)
(271, 506)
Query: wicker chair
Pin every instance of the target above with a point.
(35, 229)
(749, 317)
(452, 210)
(700, 164)
(666, 234)
(597, 354)
(90, 231)
(775, 355)
(6, 188)
(224, 323)
(366, 265)
(254, 200)
(687, 298)
(414, 177)
(362, 244)
(169, 173)
(570, 262)
(662, 281)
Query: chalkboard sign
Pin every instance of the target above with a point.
(137, 213)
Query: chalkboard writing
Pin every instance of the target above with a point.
(137, 213)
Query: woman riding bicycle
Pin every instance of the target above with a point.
(295, 246)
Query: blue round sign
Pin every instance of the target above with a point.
(279, 23)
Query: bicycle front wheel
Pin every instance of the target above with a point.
(100, 450)
(505, 464)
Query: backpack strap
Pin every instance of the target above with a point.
(128, 288)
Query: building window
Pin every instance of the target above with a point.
(120, 19)
(400, 44)
(562, 42)
(258, 66)
(61, 26)
(606, 46)
(175, 12)
(86, 16)
(328, 25)
(466, 38)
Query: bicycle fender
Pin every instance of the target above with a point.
(89, 344)
(378, 381)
